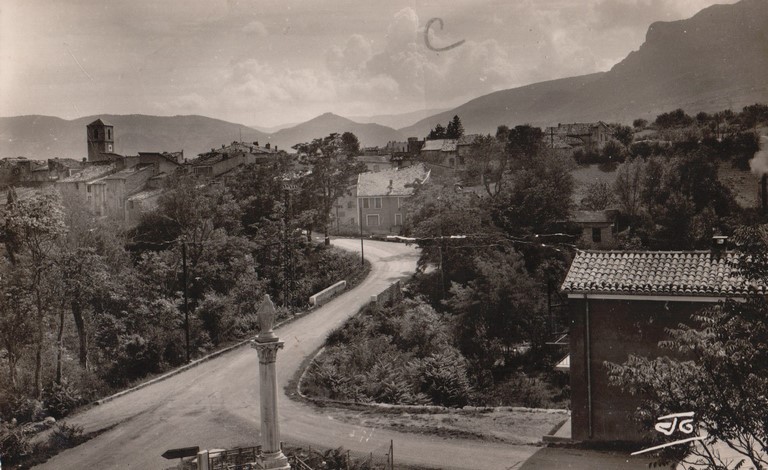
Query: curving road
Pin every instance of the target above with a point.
(216, 405)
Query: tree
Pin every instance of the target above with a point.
(32, 227)
(350, 145)
(437, 133)
(496, 309)
(539, 196)
(490, 159)
(676, 118)
(753, 115)
(331, 177)
(17, 312)
(723, 374)
(455, 129)
(524, 142)
(599, 196)
(439, 211)
(639, 124)
(623, 134)
(628, 186)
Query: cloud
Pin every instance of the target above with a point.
(409, 71)
(255, 28)
(351, 58)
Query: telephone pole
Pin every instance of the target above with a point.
(186, 299)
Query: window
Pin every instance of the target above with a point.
(88, 188)
(372, 220)
(377, 202)
(109, 134)
(341, 214)
(398, 219)
(350, 204)
(399, 202)
(352, 221)
(365, 203)
(597, 235)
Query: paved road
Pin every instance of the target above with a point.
(216, 405)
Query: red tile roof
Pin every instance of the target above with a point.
(683, 273)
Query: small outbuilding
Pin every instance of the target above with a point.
(621, 303)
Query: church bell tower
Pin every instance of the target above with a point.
(101, 140)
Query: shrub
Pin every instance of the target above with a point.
(14, 443)
(62, 398)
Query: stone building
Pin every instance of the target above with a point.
(381, 197)
(101, 141)
(598, 228)
(219, 161)
(587, 137)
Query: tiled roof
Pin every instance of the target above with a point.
(593, 217)
(468, 139)
(391, 182)
(683, 273)
(444, 145)
(233, 150)
(146, 194)
(90, 173)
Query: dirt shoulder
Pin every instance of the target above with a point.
(512, 426)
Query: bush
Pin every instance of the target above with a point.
(14, 444)
(24, 409)
(62, 398)
(65, 436)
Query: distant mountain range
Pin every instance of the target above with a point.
(40, 137)
(397, 121)
(717, 59)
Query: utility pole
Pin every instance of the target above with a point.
(440, 245)
(362, 252)
(186, 299)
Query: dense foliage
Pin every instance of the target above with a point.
(718, 369)
(400, 355)
(87, 308)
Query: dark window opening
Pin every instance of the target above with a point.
(597, 235)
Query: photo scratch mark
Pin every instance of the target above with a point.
(66, 46)
(429, 44)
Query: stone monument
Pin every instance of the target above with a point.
(266, 345)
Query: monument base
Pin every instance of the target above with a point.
(275, 461)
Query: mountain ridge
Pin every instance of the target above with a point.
(716, 59)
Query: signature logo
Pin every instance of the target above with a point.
(682, 422)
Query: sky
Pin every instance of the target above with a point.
(270, 62)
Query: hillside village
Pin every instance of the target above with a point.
(445, 192)
(571, 273)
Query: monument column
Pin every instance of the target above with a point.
(266, 345)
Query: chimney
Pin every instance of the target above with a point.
(718, 245)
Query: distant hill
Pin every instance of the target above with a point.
(715, 60)
(270, 130)
(397, 121)
(368, 134)
(40, 137)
